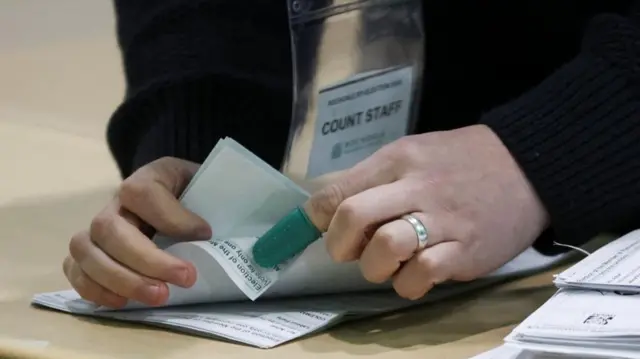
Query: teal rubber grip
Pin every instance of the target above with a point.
(289, 237)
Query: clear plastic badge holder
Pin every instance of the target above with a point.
(357, 72)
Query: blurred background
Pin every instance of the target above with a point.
(60, 80)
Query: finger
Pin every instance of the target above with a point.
(374, 171)
(362, 213)
(151, 193)
(426, 269)
(393, 244)
(89, 289)
(115, 277)
(123, 242)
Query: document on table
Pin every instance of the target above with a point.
(615, 266)
(501, 352)
(241, 197)
(508, 352)
(588, 323)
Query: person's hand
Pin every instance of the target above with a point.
(463, 185)
(115, 261)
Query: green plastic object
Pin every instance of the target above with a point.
(285, 240)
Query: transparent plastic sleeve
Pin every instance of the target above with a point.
(357, 78)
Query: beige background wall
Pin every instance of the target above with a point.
(60, 79)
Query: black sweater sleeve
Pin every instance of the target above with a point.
(192, 77)
(577, 135)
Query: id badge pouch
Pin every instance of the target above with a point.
(357, 77)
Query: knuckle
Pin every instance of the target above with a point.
(85, 290)
(348, 211)
(102, 226)
(172, 172)
(165, 161)
(327, 200)
(66, 266)
(385, 239)
(132, 190)
(403, 150)
(465, 231)
(76, 246)
(118, 284)
(337, 252)
(425, 264)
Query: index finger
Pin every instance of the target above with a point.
(305, 224)
(118, 237)
(372, 172)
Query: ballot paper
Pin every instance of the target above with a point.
(501, 352)
(596, 309)
(614, 267)
(586, 323)
(241, 197)
(509, 352)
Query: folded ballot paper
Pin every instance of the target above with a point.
(508, 352)
(596, 312)
(241, 197)
(614, 267)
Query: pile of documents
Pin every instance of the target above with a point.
(595, 312)
(241, 197)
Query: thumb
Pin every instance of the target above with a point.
(151, 193)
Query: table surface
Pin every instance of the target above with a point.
(61, 79)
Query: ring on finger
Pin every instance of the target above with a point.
(421, 231)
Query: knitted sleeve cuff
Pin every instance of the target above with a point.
(186, 119)
(576, 136)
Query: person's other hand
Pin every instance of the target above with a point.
(115, 261)
(463, 185)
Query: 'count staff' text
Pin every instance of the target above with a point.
(358, 118)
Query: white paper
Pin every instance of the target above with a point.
(253, 323)
(550, 351)
(615, 266)
(585, 322)
(512, 352)
(501, 352)
(585, 314)
(264, 323)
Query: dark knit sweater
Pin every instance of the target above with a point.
(557, 80)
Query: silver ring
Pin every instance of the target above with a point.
(421, 230)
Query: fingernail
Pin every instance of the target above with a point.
(182, 277)
(151, 292)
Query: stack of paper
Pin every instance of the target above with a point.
(509, 352)
(241, 197)
(596, 312)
